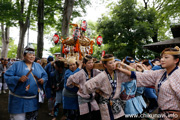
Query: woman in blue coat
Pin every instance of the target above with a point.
(24, 79)
(70, 98)
(132, 94)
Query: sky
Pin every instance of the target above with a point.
(94, 11)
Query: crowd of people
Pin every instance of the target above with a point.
(119, 89)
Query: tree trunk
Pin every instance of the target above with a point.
(155, 37)
(40, 40)
(23, 28)
(146, 2)
(5, 41)
(68, 9)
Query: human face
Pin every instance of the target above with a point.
(157, 63)
(133, 65)
(29, 58)
(89, 64)
(168, 61)
(2, 61)
(72, 66)
(5, 62)
(110, 65)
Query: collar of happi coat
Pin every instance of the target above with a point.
(165, 77)
(86, 73)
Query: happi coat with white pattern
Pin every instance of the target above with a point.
(101, 82)
(169, 92)
(83, 98)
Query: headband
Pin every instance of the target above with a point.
(129, 61)
(88, 58)
(107, 59)
(30, 52)
(172, 52)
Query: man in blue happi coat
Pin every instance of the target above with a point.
(25, 79)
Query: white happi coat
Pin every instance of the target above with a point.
(169, 93)
(101, 82)
(80, 79)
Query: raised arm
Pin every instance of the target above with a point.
(143, 79)
(95, 83)
(68, 73)
(73, 79)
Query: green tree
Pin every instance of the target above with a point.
(24, 21)
(0, 43)
(129, 26)
(169, 8)
(6, 21)
(55, 49)
(97, 50)
(12, 51)
(40, 24)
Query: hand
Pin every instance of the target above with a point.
(145, 67)
(23, 78)
(121, 66)
(80, 63)
(60, 58)
(139, 65)
(117, 64)
(41, 81)
(140, 68)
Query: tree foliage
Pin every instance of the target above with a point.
(129, 26)
(12, 51)
(97, 50)
(169, 8)
(55, 49)
(8, 13)
(18, 13)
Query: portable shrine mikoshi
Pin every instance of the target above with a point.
(78, 45)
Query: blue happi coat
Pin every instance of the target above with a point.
(134, 105)
(12, 75)
(70, 98)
